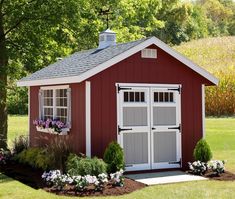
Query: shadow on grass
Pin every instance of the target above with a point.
(4, 178)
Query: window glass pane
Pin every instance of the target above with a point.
(126, 96)
(156, 97)
(61, 93)
(142, 97)
(171, 97)
(131, 96)
(61, 114)
(166, 97)
(160, 96)
(137, 96)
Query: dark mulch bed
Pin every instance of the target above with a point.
(32, 178)
(109, 190)
(24, 174)
(226, 176)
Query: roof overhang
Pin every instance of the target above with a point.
(120, 57)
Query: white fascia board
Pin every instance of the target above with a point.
(120, 57)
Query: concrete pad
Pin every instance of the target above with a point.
(165, 177)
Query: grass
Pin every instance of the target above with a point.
(220, 134)
(17, 125)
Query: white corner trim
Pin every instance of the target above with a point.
(88, 119)
(203, 111)
(120, 57)
(29, 123)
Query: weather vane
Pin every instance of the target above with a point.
(107, 13)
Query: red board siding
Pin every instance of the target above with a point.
(76, 137)
(163, 70)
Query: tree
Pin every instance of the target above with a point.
(34, 32)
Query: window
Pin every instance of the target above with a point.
(55, 103)
(163, 97)
(149, 53)
(134, 97)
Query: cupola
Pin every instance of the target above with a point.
(107, 38)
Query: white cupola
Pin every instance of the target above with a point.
(107, 38)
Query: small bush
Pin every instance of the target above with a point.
(76, 165)
(20, 143)
(197, 167)
(202, 151)
(34, 157)
(114, 157)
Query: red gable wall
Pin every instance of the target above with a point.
(163, 70)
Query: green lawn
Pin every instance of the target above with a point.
(220, 133)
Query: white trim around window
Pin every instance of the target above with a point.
(54, 106)
(88, 118)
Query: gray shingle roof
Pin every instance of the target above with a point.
(80, 62)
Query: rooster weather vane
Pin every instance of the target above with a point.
(106, 13)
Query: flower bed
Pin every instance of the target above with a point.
(32, 177)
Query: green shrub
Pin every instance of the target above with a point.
(114, 157)
(202, 151)
(76, 165)
(20, 143)
(35, 157)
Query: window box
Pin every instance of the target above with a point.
(64, 131)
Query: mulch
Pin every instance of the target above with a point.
(32, 178)
(226, 176)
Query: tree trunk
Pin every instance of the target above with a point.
(3, 86)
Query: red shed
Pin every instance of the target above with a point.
(142, 94)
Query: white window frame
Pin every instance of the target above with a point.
(54, 88)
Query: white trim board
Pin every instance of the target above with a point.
(88, 118)
(203, 112)
(120, 57)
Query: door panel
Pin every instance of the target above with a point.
(164, 147)
(165, 137)
(134, 123)
(135, 148)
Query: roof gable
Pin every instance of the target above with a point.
(83, 65)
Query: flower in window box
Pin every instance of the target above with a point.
(52, 125)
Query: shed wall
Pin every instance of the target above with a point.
(76, 138)
(163, 70)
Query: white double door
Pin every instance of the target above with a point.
(149, 126)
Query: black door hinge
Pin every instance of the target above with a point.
(123, 88)
(178, 128)
(175, 89)
(120, 129)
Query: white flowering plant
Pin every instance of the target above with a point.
(217, 166)
(197, 167)
(117, 178)
(101, 180)
(56, 179)
(59, 181)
